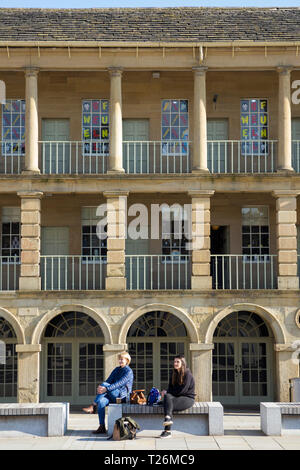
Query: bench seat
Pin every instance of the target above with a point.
(38, 419)
(280, 418)
(203, 418)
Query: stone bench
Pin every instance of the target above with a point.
(38, 419)
(279, 419)
(203, 418)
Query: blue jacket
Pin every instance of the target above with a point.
(121, 378)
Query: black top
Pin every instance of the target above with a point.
(187, 389)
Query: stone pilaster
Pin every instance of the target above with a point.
(31, 122)
(30, 240)
(115, 163)
(200, 129)
(286, 232)
(116, 235)
(287, 367)
(201, 366)
(28, 372)
(284, 120)
(111, 352)
(200, 243)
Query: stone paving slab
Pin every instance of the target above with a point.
(242, 432)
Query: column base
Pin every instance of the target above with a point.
(201, 282)
(288, 169)
(116, 171)
(35, 171)
(288, 282)
(115, 283)
(200, 170)
(29, 283)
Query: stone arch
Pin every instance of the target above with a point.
(36, 337)
(179, 313)
(268, 317)
(14, 323)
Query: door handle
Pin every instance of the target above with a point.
(238, 369)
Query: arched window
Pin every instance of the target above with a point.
(73, 360)
(153, 341)
(73, 325)
(242, 324)
(158, 324)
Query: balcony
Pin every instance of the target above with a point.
(9, 273)
(146, 272)
(73, 272)
(244, 271)
(148, 157)
(158, 272)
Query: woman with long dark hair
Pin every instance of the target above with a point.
(180, 394)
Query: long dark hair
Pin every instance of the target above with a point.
(178, 375)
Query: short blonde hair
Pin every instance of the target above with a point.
(126, 355)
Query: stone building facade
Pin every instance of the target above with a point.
(193, 107)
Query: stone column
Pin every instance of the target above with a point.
(116, 235)
(201, 367)
(284, 120)
(200, 132)
(28, 372)
(30, 240)
(287, 367)
(31, 122)
(111, 352)
(200, 243)
(286, 231)
(115, 162)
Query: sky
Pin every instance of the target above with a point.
(144, 3)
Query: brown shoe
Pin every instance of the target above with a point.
(100, 430)
(92, 409)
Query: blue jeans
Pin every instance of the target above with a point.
(103, 399)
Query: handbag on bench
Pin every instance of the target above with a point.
(137, 397)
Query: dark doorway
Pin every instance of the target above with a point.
(219, 245)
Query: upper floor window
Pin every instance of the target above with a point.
(13, 127)
(175, 127)
(254, 126)
(174, 240)
(95, 127)
(92, 245)
(255, 232)
(10, 238)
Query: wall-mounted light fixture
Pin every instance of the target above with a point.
(215, 99)
(155, 74)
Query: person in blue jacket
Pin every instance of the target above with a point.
(117, 385)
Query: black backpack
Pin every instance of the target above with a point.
(124, 428)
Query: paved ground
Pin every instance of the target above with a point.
(241, 432)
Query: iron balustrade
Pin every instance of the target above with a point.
(158, 272)
(73, 272)
(244, 271)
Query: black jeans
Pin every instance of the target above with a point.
(172, 403)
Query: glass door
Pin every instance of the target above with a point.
(242, 371)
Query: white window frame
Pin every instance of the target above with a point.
(266, 257)
(102, 258)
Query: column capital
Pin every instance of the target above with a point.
(115, 193)
(285, 193)
(284, 69)
(30, 194)
(28, 348)
(200, 70)
(31, 71)
(117, 348)
(115, 71)
(201, 347)
(201, 193)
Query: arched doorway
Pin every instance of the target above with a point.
(242, 360)
(8, 362)
(72, 358)
(153, 341)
